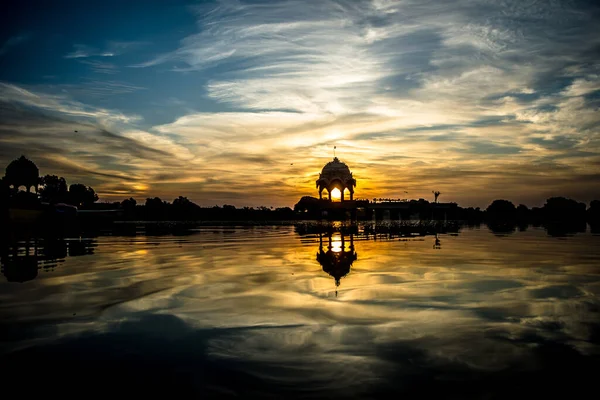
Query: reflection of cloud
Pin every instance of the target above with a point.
(222, 305)
(295, 361)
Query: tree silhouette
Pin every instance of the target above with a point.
(184, 208)
(53, 189)
(154, 203)
(129, 204)
(562, 208)
(436, 194)
(4, 199)
(501, 208)
(81, 195)
(594, 210)
(182, 201)
(522, 212)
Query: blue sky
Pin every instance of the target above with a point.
(242, 102)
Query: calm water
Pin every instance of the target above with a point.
(274, 312)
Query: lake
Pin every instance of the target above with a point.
(297, 312)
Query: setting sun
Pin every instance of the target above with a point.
(336, 195)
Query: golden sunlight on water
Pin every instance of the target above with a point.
(339, 310)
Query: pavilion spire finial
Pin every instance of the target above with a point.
(334, 147)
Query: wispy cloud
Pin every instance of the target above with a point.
(61, 104)
(101, 67)
(501, 97)
(88, 89)
(367, 75)
(83, 51)
(12, 42)
(112, 49)
(91, 145)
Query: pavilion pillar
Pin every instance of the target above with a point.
(342, 195)
(329, 191)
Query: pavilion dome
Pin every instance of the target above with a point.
(336, 175)
(22, 172)
(336, 169)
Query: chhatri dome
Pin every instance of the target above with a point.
(336, 175)
(22, 172)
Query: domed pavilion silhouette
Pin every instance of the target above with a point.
(22, 172)
(336, 175)
(337, 255)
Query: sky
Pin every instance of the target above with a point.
(242, 102)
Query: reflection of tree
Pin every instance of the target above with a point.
(336, 255)
(565, 228)
(502, 227)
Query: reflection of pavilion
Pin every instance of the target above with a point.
(20, 268)
(437, 244)
(337, 255)
(22, 261)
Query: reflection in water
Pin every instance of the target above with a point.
(22, 260)
(437, 245)
(248, 311)
(555, 229)
(337, 256)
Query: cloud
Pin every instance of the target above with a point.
(81, 143)
(111, 49)
(83, 51)
(101, 67)
(61, 104)
(12, 42)
(96, 88)
(420, 95)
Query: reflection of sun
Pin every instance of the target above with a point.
(336, 243)
(336, 195)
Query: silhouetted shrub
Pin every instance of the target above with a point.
(561, 208)
(593, 213)
(501, 209)
(81, 195)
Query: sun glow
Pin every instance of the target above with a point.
(336, 243)
(336, 195)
